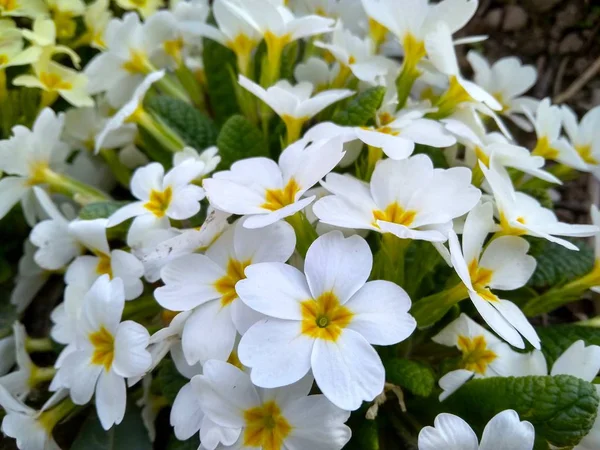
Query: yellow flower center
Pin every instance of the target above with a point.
(104, 266)
(414, 50)
(385, 118)
(278, 198)
(544, 149)
(500, 98)
(377, 32)
(3, 59)
(8, 5)
(138, 62)
(173, 48)
(481, 278)
(226, 284)
(65, 25)
(482, 156)
(266, 427)
(159, 201)
(104, 348)
(37, 173)
(54, 82)
(585, 151)
(324, 317)
(510, 230)
(476, 355)
(242, 44)
(394, 213)
(234, 360)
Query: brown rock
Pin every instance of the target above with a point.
(515, 18)
(571, 43)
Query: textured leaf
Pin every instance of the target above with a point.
(240, 139)
(170, 380)
(556, 339)
(219, 62)
(562, 409)
(128, 435)
(417, 377)
(558, 265)
(196, 129)
(362, 108)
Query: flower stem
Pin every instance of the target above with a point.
(80, 192)
(33, 345)
(118, 169)
(405, 81)
(51, 417)
(305, 232)
(373, 156)
(159, 130)
(192, 87)
(429, 310)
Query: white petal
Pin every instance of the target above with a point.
(578, 360)
(496, 321)
(111, 398)
(348, 371)
(452, 381)
(507, 258)
(12, 189)
(273, 243)
(186, 413)
(477, 226)
(450, 432)
(505, 431)
(131, 358)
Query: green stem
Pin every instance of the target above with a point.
(294, 129)
(43, 374)
(392, 251)
(192, 87)
(429, 310)
(80, 192)
(172, 88)
(145, 304)
(305, 232)
(118, 169)
(159, 130)
(33, 345)
(373, 156)
(51, 417)
(405, 81)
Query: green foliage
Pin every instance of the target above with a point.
(556, 339)
(562, 408)
(415, 376)
(99, 210)
(288, 61)
(362, 108)
(8, 314)
(20, 107)
(196, 129)
(435, 154)
(219, 65)
(365, 436)
(558, 265)
(170, 380)
(191, 444)
(240, 139)
(128, 435)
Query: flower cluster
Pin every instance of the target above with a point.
(270, 217)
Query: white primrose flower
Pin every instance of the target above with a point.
(107, 352)
(408, 198)
(480, 146)
(240, 415)
(126, 61)
(548, 123)
(316, 72)
(30, 428)
(29, 280)
(160, 197)
(86, 269)
(326, 320)
(355, 55)
(26, 158)
(583, 136)
(208, 285)
(269, 191)
(519, 214)
(295, 104)
(8, 356)
(96, 17)
(595, 216)
(57, 247)
(504, 431)
(209, 157)
(482, 355)
(24, 8)
(504, 264)
(507, 80)
(441, 53)
(146, 8)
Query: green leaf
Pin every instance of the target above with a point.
(365, 436)
(196, 129)
(8, 315)
(558, 265)
(362, 108)
(191, 444)
(100, 210)
(415, 376)
(170, 380)
(219, 63)
(435, 154)
(562, 408)
(130, 434)
(240, 139)
(288, 61)
(558, 338)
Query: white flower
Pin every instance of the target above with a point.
(160, 197)
(595, 215)
(96, 18)
(24, 8)
(326, 320)
(129, 112)
(583, 136)
(295, 104)
(244, 416)
(56, 246)
(7, 354)
(507, 80)
(408, 198)
(146, 8)
(11, 44)
(122, 66)
(520, 214)
(209, 157)
(32, 429)
(504, 264)
(483, 354)
(355, 55)
(503, 431)
(20, 382)
(84, 270)
(107, 352)
(27, 156)
(548, 125)
(268, 191)
(208, 285)
(29, 280)
(316, 72)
